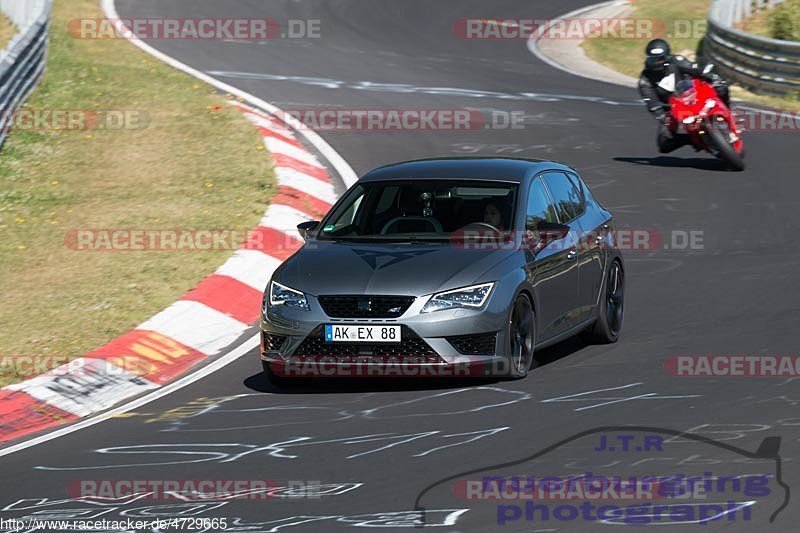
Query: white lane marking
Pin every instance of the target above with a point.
(618, 400)
(563, 398)
(405, 88)
(328, 153)
(207, 370)
(479, 435)
(520, 396)
(581, 397)
(196, 325)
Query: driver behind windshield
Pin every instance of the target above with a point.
(493, 215)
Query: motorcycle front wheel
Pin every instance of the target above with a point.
(722, 148)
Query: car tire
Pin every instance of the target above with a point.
(521, 337)
(611, 310)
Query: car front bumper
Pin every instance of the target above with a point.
(437, 344)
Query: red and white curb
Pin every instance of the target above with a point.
(209, 318)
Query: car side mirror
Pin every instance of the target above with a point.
(307, 227)
(552, 231)
(546, 233)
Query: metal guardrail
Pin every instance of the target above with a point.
(760, 63)
(23, 60)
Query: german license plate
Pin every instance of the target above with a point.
(353, 333)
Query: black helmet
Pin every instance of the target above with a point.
(658, 54)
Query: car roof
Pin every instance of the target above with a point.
(509, 169)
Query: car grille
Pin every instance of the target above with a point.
(412, 346)
(272, 343)
(480, 344)
(365, 306)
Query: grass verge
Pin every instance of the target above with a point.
(627, 55)
(782, 22)
(197, 164)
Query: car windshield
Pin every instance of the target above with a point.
(420, 210)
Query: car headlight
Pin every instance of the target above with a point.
(473, 297)
(283, 295)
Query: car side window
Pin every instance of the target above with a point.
(540, 208)
(581, 187)
(566, 197)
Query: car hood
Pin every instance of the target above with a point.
(418, 269)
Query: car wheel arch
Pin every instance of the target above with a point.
(528, 292)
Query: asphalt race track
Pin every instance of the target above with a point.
(383, 449)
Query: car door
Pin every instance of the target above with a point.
(552, 270)
(595, 227)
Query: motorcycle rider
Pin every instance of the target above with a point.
(661, 74)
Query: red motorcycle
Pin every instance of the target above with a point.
(697, 110)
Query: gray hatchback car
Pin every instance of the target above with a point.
(445, 267)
